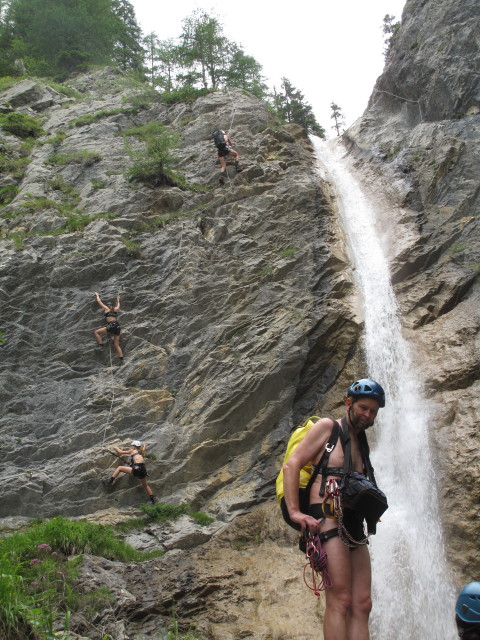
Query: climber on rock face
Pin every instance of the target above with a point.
(225, 148)
(136, 466)
(112, 327)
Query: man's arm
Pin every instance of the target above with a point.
(308, 450)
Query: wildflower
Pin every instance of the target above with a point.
(44, 547)
(34, 584)
(35, 561)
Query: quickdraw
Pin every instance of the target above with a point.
(317, 561)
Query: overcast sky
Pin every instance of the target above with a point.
(331, 50)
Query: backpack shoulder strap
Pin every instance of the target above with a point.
(365, 453)
(347, 445)
(321, 465)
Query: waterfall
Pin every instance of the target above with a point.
(413, 598)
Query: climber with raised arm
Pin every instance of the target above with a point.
(136, 466)
(112, 326)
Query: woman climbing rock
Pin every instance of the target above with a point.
(112, 327)
(136, 466)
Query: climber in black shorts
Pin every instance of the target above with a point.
(112, 326)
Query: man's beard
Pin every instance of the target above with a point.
(357, 422)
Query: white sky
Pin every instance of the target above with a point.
(331, 50)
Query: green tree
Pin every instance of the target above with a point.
(128, 52)
(54, 37)
(202, 49)
(291, 107)
(245, 72)
(337, 115)
(168, 64)
(151, 45)
(390, 29)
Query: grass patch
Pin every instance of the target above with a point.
(87, 158)
(288, 253)
(38, 570)
(98, 184)
(6, 82)
(8, 193)
(186, 94)
(55, 140)
(90, 118)
(164, 512)
(70, 195)
(21, 125)
(457, 248)
(66, 91)
(133, 249)
(142, 97)
(393, 151)
(36, 204)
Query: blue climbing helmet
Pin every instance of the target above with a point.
(468, 604)
(366, 388)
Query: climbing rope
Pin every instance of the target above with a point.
(113, 394)
(233, 110)
(317, 562)
(231, 124)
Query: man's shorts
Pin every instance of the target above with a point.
(223, 151)
(352, 523)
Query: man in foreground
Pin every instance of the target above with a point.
(348, 601)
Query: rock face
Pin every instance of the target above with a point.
(238, 317)
(418, 142)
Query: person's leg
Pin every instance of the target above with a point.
(98, 333)
(236, 159)
(361, 593)
(119, 470)
(339, 596)
(147, 488)
(116, 345)
(223, 168)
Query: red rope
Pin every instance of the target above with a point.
(317, 561)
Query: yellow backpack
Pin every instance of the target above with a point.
(295, 439)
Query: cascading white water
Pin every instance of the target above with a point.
(413, 598)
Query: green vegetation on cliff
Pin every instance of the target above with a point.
(39, 568)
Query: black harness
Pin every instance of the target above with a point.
(322, 467)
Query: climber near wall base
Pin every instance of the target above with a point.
(348, 600)
(136, 467)
(225, 149)
(112, 326)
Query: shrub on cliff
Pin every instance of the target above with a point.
(152, 165)
(21, 125)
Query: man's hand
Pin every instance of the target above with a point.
(305, 521)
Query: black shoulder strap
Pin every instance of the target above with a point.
(347, 445)
(365, 453)
(321, 465)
